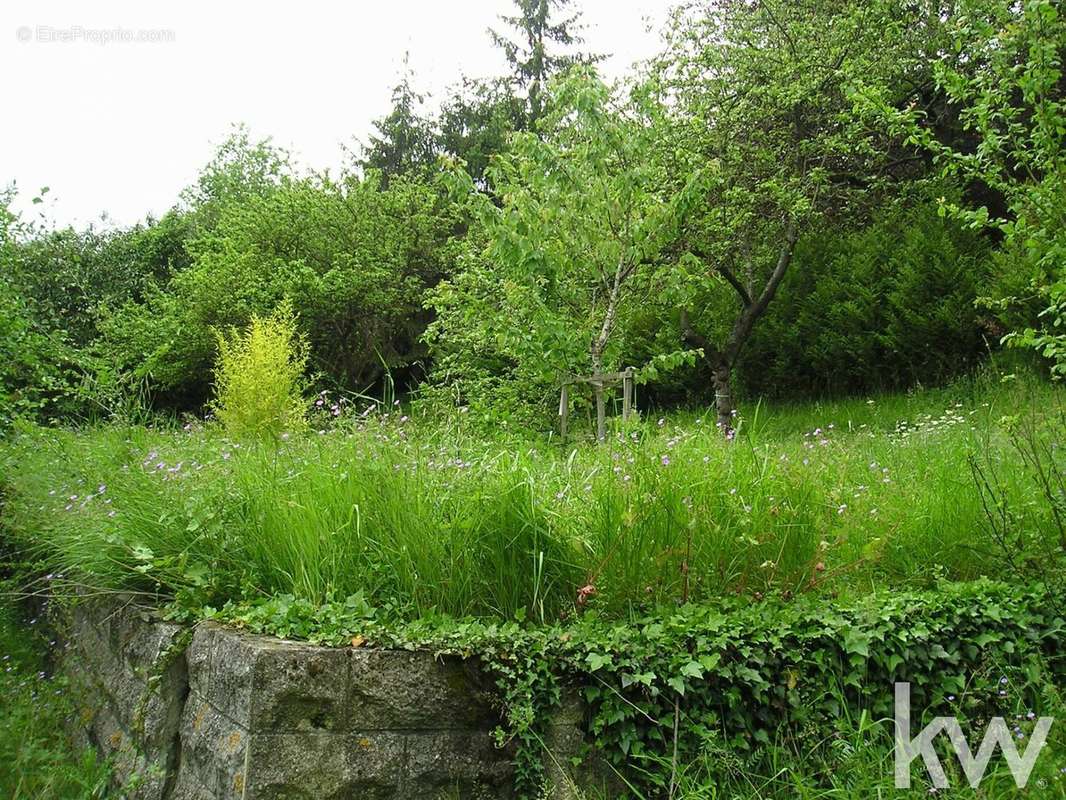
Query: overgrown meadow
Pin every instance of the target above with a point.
(424, 514)
(321, 403)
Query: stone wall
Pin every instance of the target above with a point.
(213, 713)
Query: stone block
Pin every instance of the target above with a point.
(325, 766)
(413, 690)
(460, 764)
(214, 749)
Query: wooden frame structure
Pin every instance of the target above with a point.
(599, 382)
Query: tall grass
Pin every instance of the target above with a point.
(428, 515)
(38, 761)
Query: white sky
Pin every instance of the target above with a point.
(122, 127)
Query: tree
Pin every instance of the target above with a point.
(240, 168)
(757, 107)
(532, 56)
(1001, 69)
(477, 121)
(556, 266)
(406, 142)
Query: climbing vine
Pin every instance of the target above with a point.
(739, 672)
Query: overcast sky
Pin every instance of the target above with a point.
(122, 126)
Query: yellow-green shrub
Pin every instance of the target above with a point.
(259, 376)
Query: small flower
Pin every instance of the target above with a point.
(665, 460)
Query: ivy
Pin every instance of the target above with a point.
(739, 670)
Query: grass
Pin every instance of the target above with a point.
(428, 515)
(856, 762)
(424, 514)
(37, 760)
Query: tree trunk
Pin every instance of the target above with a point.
(723, 396)
(721, 361)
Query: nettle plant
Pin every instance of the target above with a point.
(259, 377)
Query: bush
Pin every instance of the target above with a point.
(353, 258)
(258, 377)
(886, 307)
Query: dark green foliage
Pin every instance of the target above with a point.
(33, 361)
(888, 306)
(405, 142)
(543, 47)
(477, 121)
(742, 675)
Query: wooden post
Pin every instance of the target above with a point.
(627, 393)
(564, 410)
(601, 411)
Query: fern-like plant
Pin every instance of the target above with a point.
(259, 377)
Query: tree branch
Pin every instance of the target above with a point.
(728, 275)
(746, 321)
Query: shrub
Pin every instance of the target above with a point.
(888, 306)
(353, 258)
(259, 376)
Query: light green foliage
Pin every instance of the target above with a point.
(259, 377)
(353, 258)
(1002, 69)
(424, 517)
(547, 283)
